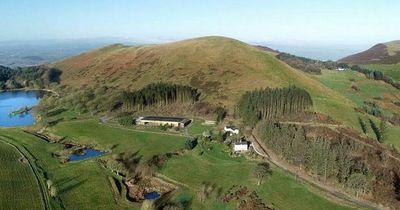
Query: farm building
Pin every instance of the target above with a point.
(241, 146)
(231, 129)
(168, 121)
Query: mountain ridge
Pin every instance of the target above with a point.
(382, 53)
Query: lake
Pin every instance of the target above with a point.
(13, 100)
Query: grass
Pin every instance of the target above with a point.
(80, 185)
(85, 184)
(119, 139)
(202, 63)
(280, 191)
(198, 127)
(368, 90)
(18, 184)
(391, 70)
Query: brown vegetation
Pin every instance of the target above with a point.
(378, 54)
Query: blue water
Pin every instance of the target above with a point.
(151, 195)
(14, 100)
(88, 153)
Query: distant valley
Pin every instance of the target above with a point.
(28, 53)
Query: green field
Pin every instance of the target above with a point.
(280, 191)
(197, 127)
(85, 184)
(391, 70)
(19, 186)
(120, 139)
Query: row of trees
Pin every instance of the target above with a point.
(372, 108)
(309, 65)
(272, 103)
(159, 94)
(318, 156)
(380, 132)
(376, 75)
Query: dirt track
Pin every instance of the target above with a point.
(330, 192)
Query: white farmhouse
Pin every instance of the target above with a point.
(231, 129)
(241, 146)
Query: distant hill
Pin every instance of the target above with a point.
(29, 53)
(385, 53)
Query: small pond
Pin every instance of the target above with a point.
(151, 195)
(87, 153)
(14, 100)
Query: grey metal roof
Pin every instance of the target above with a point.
(166, 119)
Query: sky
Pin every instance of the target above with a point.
(355, 22)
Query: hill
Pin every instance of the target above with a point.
(267, 49)
(384, 53)
(222, 68)
(215, 65)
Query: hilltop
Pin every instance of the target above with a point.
(384, 53)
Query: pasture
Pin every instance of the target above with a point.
(19, 186)
(368, 90)
(211, 163)
(86, 185)
(391, 70)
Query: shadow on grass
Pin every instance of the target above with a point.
(72, 186)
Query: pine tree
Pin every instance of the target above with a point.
(363, 126)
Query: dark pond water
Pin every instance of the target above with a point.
(14, 100)
(87, 153)
(151, 195)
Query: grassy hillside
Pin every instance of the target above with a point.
(218, 66)
(209, 163)
(391, 70)
(222, 68)
(368, 90)
(385, 53)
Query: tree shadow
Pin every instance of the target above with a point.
(72, 186)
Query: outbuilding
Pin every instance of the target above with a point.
(163, 121)
(231, 129)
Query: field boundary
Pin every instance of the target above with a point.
(33, 167)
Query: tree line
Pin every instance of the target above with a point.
(28, 77)
(272, 103)
(309, 65)
(376, 75)
(379, 131)
(317, 156)
(159, 94)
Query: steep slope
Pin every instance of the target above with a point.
(385, 53)
(222, 68)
